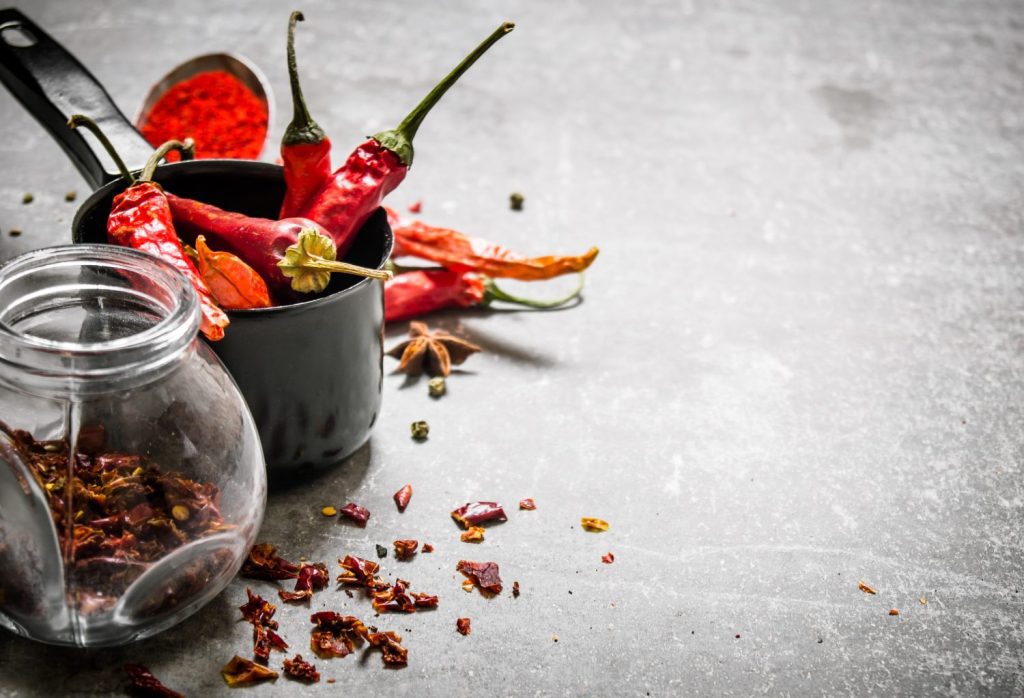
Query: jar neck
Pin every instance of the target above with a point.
(87, 319)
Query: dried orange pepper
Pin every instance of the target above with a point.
(234, 284)
(594, 525)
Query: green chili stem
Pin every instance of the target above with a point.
(302, 129)
(399, 140)
(345, 268)
(186, 148)
(77, 120)
(493, 293)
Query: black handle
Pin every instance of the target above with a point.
(52, 85)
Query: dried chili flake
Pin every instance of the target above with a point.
(358, 571)
(405, 549)
(866, 588)
(311, 578)
(243, 672)
(336, 635)
(258, 610)
(145, 684)
(594, 525)
(390, 644)
(894, 611)
(300, 670)
(424, 600)
(263, 641)
(403, 496)
(527, 504)
(393, 598)
(468, 585)
(475, 534)
(473, 513)
(428, 548)
(329, 511)
(923, 601)
(263, 562)
(356, 513)
(484, 574)
(608, 558)
(515, 590)
(416, 206)
(463, 626)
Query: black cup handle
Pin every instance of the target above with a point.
(52, 85)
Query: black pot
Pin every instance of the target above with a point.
(311, 372)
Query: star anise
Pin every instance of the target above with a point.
(433, 352)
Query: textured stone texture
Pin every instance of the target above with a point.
(798, 363)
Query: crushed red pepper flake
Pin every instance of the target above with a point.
(390, 644)
(474, 534)
(416, 206)
(258, 610)
(463, 625)
(528, 504)
(593, 524)
(405, 549)
(263, 562)
(311, 578)
(515, 590)
(866, 588)
(403, 496)
(608, 558)
(894, 611)
(356, 570)
(424, 600)
(473, 513)
(336, 635)
(355, 513)
(484, 575)
(145, 684)
(263, 641)
(300, 670)
(427, 548)
(243, 672)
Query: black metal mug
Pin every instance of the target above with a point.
(311, 372)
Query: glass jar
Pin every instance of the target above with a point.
(132, 483)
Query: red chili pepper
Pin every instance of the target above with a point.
(376, 167)
(293, 255)
(416, 293)
(403, 496)
(472, 513)
(305, 148)
(233, 283)
(484, 575)
(460, 253)
(356, 513)
(405, 549)
(140, 219)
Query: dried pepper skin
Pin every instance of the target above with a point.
(473, 513)
(474, 534)
(336, 635)
(527, 504)
(355, 513)
(358, 571)
(484, 575)
(428, 548)
(258, 610)
(405, 549)
(608, 558)
(461, 253)
(243, 672)
(594, 525)
(390, 644)
(146, 685)
(311, 578)
(463, 625)
(263, 562)
(300, 670)
(403, 496)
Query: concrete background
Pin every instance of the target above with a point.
(798, 363)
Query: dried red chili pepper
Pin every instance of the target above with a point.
(393, 598)
(311, 578)
(403, 496)
(233, 283)
(214, 108)
(461, 253)
(428, 548)
(405, 549)
(263, 562)
(358, 571)
(473, 513)
(474, 534)
(141, 219)
(355, 513)
(305, 148)
(415, 293)
(376, 167)
(300, 670)
(336, 635)
(258, 610)
(424, 600)
(243, 672)
(293, 255)
(608, 558)
(527, 504)
(463, 625)
(263, 640)
(484, 575)
(146, 685)
(390, 644)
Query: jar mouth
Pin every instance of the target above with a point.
(93, 310)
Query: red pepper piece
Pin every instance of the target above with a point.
(405, 549)
(263, 562)
(305, 148)
(528, 504)
(258, 610)
(403, 496)
(311, 578)
(336, 635)
(355, 513)
(263, 640)
(424, 600)
(233, 283)
(358, 571)
(141, 219)
(390, 645)
(515, 590)
(416, 293)
(608, 558)
(473, 534)
(393, 598)
(414, 207)
(379, 165)
(463, 625)
(145, 684)
(427, 548)
(473, 513)
(461, 253)
(300, 670)
(243, 672)
(485, 575)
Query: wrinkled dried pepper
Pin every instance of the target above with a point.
(473, 513)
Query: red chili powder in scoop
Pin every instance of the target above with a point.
(224, 117)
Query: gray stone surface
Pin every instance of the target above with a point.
(798, 363)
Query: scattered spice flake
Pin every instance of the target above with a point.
(382, 551)
(243, 672)
(331, 680)
(608, 558)
(420, 430)
(863, 586)
(894, 611)
(515, 590)
(427, 548)
(463, 626)
(27, 198)
(14, 232)
(403, 496)
(416, 206)
(356, 513)
(484, 574)
(528, 504)
(335, 635)
(473, 513)
(263, 641)
(434, 352)
(425, 600)
(467, 586)
(71, 195)
(390, 644)
(258, 610)
(358, 571)
(923, 601)
(311, 578)
(329, 511)
(405, 549)
(264, 563)
(594, 525)
(475, 534)
(300, 670)
(145, 684)
(392, 597)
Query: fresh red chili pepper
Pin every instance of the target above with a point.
(461, 253)
(376, 167)
(305, 148)
(356, 513)
(473, 513)
(140, 219)
(403, 496)
(293, 255)
(233, 283)
(422, 291)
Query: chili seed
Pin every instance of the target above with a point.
(329, 511)
(14, 232)
(71, 196)
(515, 201)
(27, 198)
(420, 430)
(436, 386)
(180, 512)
